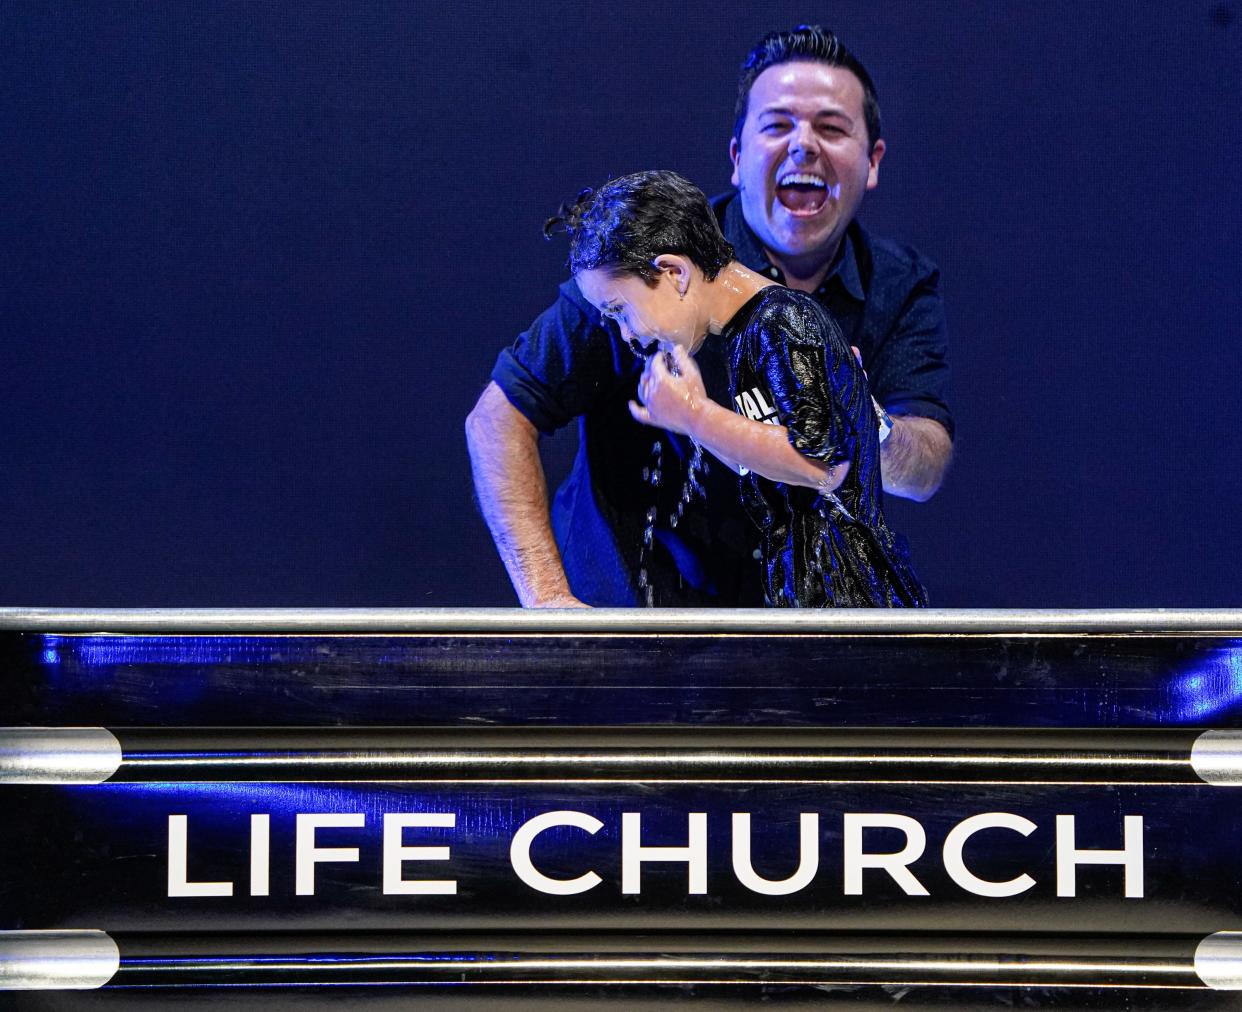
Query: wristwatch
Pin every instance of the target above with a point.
(883, 419)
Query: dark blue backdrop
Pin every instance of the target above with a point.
(256, 259)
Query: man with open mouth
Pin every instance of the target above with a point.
(806, 148)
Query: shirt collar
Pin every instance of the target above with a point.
(749, 251)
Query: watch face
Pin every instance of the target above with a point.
(883, 419)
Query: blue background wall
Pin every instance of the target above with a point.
(256, 259)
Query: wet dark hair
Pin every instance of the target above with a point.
(631, 220)
(809, 44)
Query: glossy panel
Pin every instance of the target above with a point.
(839, 681)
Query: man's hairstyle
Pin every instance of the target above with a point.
(629, 221)
(809, 44)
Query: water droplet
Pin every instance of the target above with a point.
(672, 521)
(655, 476)
(651, 515)
(650, 597)
(642, 577)
(646, 473)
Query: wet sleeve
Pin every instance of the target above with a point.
(566, 363)
(909, 370)
(807, 365)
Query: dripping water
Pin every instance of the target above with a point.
(696, 471)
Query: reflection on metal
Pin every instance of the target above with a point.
(1210, 685)
(57, 755)
(109, 651)
(1217, 757)
(1218, 961)
(54, 960)
(518, 622)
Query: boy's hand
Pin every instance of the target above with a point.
(671, 397)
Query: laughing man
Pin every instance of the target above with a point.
(631, 525)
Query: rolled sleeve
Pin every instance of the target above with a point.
(563, 365)
(910, 371)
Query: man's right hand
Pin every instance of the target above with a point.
(513, 495)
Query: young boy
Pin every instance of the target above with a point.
(646, 251)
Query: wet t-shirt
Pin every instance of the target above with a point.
(790, 365)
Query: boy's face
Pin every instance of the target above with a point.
(648, 315)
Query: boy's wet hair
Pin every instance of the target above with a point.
(629, 221)
(808, 44)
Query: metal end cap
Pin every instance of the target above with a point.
(58, 755)
(1216, 758)
(56, 960)
(1218, 961)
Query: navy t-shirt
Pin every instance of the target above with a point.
(622, 512)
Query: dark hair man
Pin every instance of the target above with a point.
(806, 149)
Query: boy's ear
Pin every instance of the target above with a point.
(677, 267)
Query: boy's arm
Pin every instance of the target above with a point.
(679, 403)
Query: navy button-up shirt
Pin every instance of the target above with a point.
(886, 297)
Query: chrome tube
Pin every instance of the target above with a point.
(967, 961)
(630, 755)
(520, 622)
